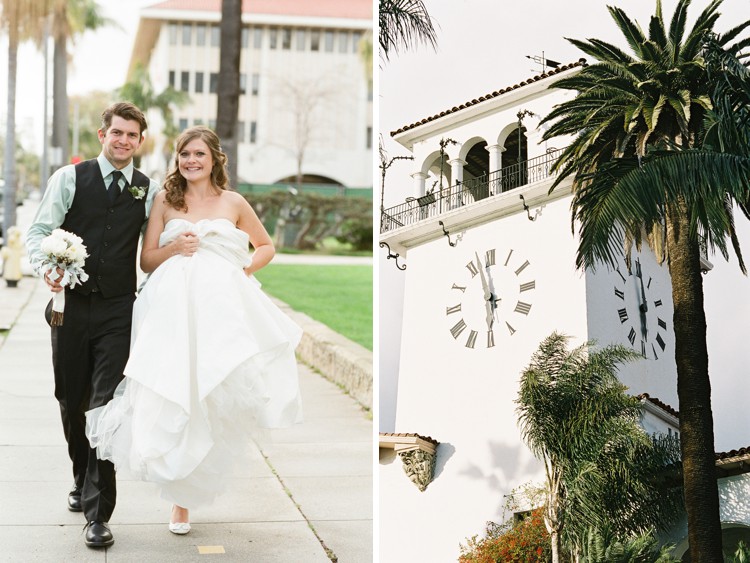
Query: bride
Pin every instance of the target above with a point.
(211, 356)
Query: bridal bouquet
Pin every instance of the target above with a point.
(66, 251)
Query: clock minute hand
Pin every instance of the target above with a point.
(643, 306)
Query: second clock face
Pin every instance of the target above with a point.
(491, 295)
(640, 310)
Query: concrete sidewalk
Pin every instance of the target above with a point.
(300, 491)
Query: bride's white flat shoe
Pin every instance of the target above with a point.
(179, 528)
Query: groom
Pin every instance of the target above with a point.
(99, 201)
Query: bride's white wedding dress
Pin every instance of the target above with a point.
(211, 359)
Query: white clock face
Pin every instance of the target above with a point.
(490, 296)
(639, 307)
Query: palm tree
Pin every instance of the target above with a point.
(228, 99)
(638, 120)
(140, 91)
(22, 19)
(404, 24)
(601, 546)
(69, 19)
(599, 463)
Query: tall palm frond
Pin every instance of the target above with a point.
(404, 24)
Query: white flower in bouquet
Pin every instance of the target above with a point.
(67, 252)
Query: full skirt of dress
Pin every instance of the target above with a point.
(212, 359)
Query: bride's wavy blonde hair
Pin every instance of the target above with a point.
(175, 183)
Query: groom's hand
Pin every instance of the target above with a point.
(54, 285)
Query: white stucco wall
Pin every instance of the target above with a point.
(464, 398)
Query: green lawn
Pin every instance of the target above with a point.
(340, 297)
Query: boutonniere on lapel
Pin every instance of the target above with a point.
(138, 192)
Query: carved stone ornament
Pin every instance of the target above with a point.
(419, 466)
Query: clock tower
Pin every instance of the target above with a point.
(490, 272)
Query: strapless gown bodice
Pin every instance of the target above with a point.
(211, 358)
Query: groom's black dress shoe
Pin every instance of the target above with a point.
(74, 500)
(98, 535)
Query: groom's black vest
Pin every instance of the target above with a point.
(109, 231)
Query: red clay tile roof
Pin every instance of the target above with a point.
(496, 93)
(353, 9)
(663, 406)
(742, 452)
(410, 435)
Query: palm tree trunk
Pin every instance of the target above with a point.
(228, 99)
(60, 100)
(9, 191)
(694, 390)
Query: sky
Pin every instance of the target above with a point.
(99, 61)
(482, 47)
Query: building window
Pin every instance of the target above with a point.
(286, 38)
(273, 35)
(301, 39)
(368, 143)
(329, 41)
(215, 35)
(356, 36)
(171, 78)
(213, 82)
(200, 34)
(185, 81)
(343, 41)
(212, 124)
(199, 82)
(187, 34)
(241, 132)
(253, 131)
(245, 37)
(183, 124)
(257, 37)
(243, 83)
(315, 40)
(198, 121)
(173, 34)
(255, 84)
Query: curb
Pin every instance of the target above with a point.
(338, 359)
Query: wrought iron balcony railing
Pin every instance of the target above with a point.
(463, 193)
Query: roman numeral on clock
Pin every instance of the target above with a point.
(454, 309)
(620, 294)
(462, 288)
(472, 339)
(631, 336)
(472, 268)
(510, 328)
(660, 341)
(458, 328)
(623, 314)
(489, 257)
(662, 324)
(522, 267)
(522, 308)
(527, 286)
(490, 339)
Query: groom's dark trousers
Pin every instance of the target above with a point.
(89, 353)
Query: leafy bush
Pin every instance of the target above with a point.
(524, 542)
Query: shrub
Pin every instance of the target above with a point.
(524, 542)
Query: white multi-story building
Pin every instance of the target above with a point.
(305, 93)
